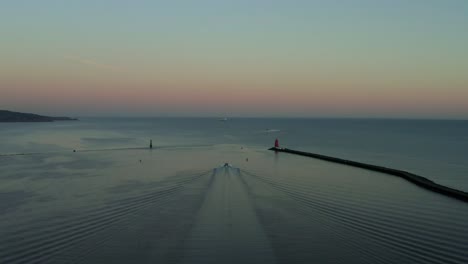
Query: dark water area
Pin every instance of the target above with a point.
(178, 203)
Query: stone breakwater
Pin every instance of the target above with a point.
(416, 179)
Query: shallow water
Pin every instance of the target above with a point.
(178, 204)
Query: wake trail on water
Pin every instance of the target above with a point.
(232, 215)
(41, 241)
(409, 234)
(227, 229)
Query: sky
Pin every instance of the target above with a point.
(359, 58)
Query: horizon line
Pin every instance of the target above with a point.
(276, 117)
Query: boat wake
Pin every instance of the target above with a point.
(231, 215)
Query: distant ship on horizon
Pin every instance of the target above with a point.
(224, 119)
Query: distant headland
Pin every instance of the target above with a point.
(9, 116)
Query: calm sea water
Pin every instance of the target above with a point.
(436, 149)
(113, 201)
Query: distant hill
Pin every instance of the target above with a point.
(9, 116)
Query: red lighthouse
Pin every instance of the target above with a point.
(276, 143)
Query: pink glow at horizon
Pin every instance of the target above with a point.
(245, 58)
(114, 99)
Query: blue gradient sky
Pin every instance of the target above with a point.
(242, 58)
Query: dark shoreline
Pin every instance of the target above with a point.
(416, 179)
(17, 117)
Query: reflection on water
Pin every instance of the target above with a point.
(181, 205)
